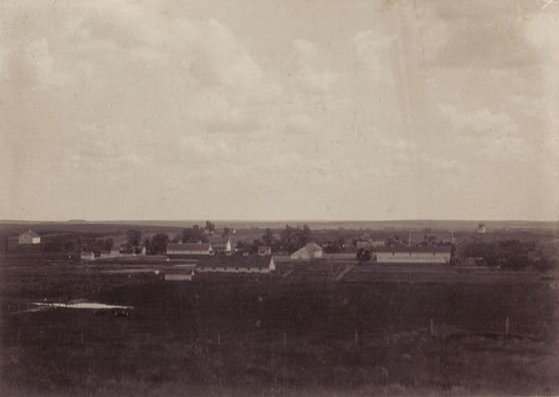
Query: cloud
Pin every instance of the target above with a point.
(310, 70)
(373, 51)
(489, 135)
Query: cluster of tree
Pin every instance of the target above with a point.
(194, 234)
(95, 245)
(334, 247)
(157, 245)
(293, 238)
(507, 254)
(133, 240)
(69, 244)
(197, 234)
(288, 239)
(364, 255)
(62, 244)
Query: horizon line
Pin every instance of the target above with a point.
(76, 220)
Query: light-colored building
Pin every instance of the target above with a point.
(370, 244)
(403, 254)
(87, 256)
(264, 250)
(114, 253)
(179, 273)
(236, 264)
(309, 251)
(183, 250)
(222, 245)
(29, 238)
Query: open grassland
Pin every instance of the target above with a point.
(293, 335)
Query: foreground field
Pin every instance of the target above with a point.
(275, 336)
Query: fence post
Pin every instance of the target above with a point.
(218, 339)
(284, 339)
(356, 336)
(507, 326)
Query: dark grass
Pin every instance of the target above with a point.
(271, 336)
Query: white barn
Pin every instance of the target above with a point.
(403, 254)
(236, 264)
(183, 250)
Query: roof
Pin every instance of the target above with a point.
(219, 240)
(188, 247)
(31, 233)
(222, 241)
(236, 261)
(312, 247)
(185, 270)
(434, 249)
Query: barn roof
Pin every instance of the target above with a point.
(236, 261)
(437, 249)
(202, 247)
(30, 233)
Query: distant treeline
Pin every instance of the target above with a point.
(509, 254)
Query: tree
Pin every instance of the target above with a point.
(159, 243)
(210, 227)
(545, 265)
(192, 235)
(133, 237)
(147, 244)
(363, 255)
(293, 238)
(226, 231)
(304, 235)
(108, 244)
(268, 237)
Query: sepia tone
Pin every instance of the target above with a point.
(279, 198)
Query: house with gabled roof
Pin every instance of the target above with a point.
(29, 238)
(309, 251)
(222, 245)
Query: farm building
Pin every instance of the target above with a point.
(309, 251)
(184, 250)
(87, 256)
(222, 245)
(114, 253)
(29, 238)
(179, 273)
(236, 264)
(264, 250)
(370, 244)
(404, 254)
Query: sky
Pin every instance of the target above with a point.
(283, 109)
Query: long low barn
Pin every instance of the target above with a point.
(236, 264)
(402, 254)
(185, 250)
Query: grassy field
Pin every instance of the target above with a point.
(277, 336)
